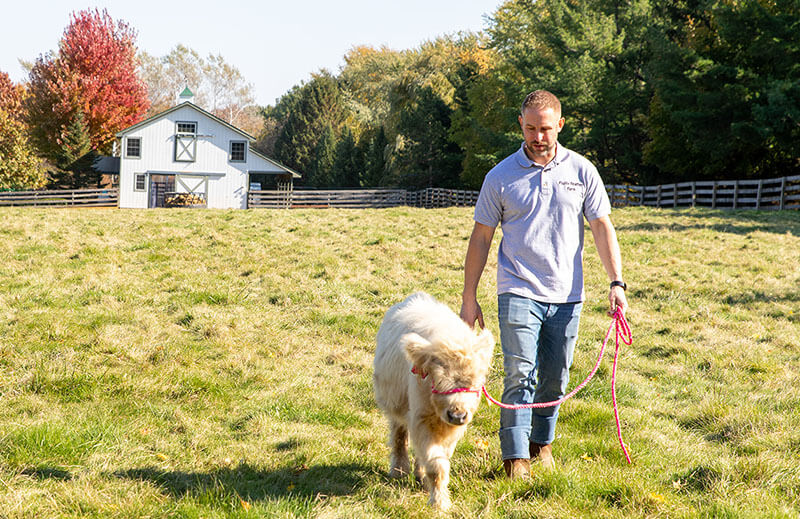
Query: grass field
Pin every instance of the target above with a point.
(200, 363)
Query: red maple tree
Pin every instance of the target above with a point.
(93, 74)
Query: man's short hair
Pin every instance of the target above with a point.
(542, 100)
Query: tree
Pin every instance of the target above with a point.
(321, 172)
(93, 74)
(218, 86)
(592, 55)
(275, 118)
(10, 96)
(425, 156)
(727, 90)
(374, 146)
(348, 165)
(19, 166)
(319, 103)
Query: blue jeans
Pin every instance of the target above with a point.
(538, 340)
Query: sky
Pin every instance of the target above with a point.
(274, 44)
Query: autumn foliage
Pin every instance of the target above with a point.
(92, 77)
(19, 166)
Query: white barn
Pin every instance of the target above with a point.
(185, 156)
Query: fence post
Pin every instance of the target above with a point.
(783, 193)
(735, 192)
(675, 195)
(758, 196)
(714, 195)
(694, 194)
(658, 196)
(641, 196)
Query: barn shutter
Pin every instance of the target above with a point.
(186, 142)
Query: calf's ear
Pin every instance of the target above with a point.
(416, 348)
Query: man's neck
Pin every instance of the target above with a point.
(543, 162)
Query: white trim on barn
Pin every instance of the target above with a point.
(183, 169)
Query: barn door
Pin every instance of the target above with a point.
(160, 185)
(189, 191)
(186, 142)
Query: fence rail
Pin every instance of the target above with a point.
(361, 198)
(61, 197)
(767, 194)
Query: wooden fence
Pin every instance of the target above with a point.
(768, 194)
(60, 197)
(360, 198)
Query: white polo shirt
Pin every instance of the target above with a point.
(541, 211)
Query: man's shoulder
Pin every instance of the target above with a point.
(506, 169)
(575, 158)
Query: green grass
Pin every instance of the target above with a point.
(187, 363)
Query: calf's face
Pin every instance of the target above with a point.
(452, 366)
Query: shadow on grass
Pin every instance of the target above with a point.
(254, 485)
(740, 222)
(48, 473)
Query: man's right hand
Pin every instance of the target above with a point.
(471, 312)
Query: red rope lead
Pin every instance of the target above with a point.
(623, 331)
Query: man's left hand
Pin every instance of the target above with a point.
(617, 299)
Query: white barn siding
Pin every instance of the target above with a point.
(227, 181)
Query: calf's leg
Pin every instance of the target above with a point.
(432, 465)
(398, 441)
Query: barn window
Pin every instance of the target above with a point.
(186, 141)
(133, 147)
(139, 182)
(238, 150)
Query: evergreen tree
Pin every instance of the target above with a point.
(319, 104)
(374, 146)
(425, 156)
(322, 164)
(349, 163)
(592, 55)
(727, 91)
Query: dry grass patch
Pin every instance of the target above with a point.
(218, 363)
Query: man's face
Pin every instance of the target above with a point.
(540, 130)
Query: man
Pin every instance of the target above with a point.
(539, 195)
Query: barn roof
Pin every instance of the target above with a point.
(190, 105)
(243, 133)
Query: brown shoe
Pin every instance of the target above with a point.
(544, 453)
(519, 468)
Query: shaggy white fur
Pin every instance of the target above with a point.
(424, 333)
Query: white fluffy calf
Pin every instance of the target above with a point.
(424, 334)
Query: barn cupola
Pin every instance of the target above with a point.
(186, 95)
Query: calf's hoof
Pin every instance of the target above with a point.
(441, 502)
(398, 472)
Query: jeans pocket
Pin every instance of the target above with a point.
(514, 310)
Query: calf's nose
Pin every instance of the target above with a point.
(456, 417)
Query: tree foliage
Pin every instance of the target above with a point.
(19, 166)
(315, 106)
(652, 92)
(218, 86)
(92, 76)
(390, 113)
(727, 90)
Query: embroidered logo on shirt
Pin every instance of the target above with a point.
(571, 186)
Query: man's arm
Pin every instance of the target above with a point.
(605, 239)
(477, 251)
